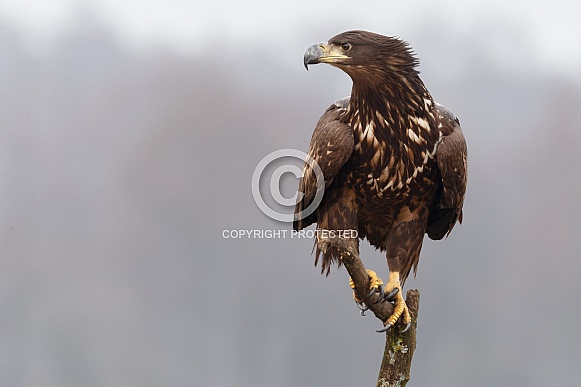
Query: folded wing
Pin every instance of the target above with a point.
(331, 146)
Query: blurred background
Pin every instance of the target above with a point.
(129, 133)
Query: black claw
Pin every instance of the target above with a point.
(370, 293)
(385, 328)
(407, 327)
(391, 295)
(362, 307)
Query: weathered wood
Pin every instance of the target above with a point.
(399, 349)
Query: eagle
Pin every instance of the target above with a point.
(393, 163)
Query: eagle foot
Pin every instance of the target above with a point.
(400, 308)
(375, 286)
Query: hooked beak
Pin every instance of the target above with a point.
(323, 53)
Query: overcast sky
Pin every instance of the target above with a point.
(550, 29)
(130, 132)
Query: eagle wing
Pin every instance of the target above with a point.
(331, 146)
(451, 159)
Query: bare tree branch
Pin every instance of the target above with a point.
(358, 273)
(399, 347)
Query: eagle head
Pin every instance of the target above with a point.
(364, 54)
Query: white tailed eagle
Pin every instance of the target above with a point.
(393, 161)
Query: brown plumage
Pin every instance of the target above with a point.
(394, 161)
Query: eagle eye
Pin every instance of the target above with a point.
(346, 46)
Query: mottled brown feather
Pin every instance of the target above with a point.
(397, 166)
(452, 164)
(331, 146)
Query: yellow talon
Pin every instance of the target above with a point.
(374, 283)
(400, 308)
